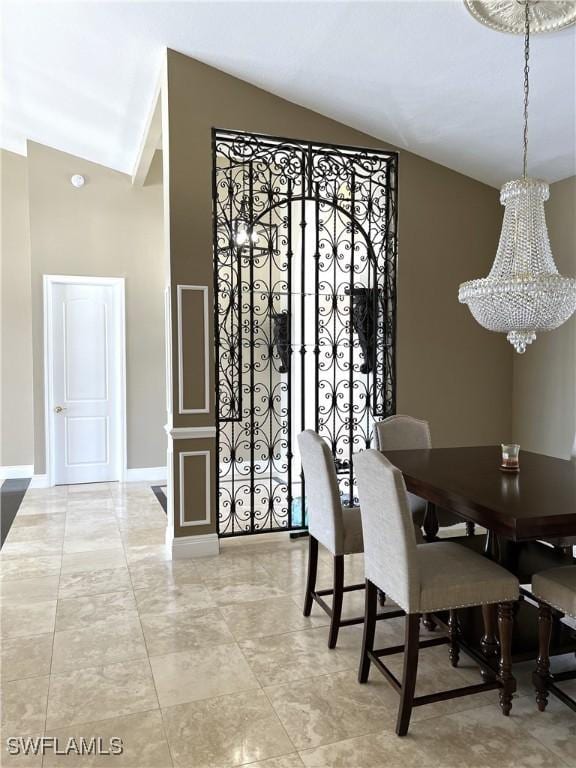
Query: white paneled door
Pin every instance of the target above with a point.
(86, 391)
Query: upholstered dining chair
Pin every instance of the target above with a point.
(554, 589)
(425, 578)
(399, 433)
(336, 527)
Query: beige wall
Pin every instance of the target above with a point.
(545, 376)
(16, 413)
(449, 369)
(109, 228)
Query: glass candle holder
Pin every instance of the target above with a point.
(510, 460)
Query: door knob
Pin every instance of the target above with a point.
(59, 409)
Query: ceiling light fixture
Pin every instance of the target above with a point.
(523, 294)
(245, 234)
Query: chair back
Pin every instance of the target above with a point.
(399, 433)
(390, 552)
(322, 491)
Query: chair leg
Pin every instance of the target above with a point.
(542, 674)
(381, 598)
(428, 621)
(566, 550)
(470, 528)
(369, 630)
(411, 647)
(430, 523)
(337, 600)
(312, 571)
(453, 633)
(505, 615)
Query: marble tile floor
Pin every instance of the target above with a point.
(210, 663)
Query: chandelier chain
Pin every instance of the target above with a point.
(526, 83)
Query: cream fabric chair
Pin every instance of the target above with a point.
(423, 578)
(399, 433)
(337, 528)
(554, 588)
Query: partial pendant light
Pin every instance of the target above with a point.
(523, 294)
(244, 235)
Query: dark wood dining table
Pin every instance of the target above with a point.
(520, 511)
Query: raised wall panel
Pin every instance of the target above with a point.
(194, 470)
(193, 349)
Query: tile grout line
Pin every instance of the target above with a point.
(276, 714)
(260, 686)
(518, 727)
(272, 707)
(162, 723)
(94, 594)
(54, 630)
(157, 709)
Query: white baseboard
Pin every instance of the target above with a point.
(187, 547)
(39, 481)
(233, 542)
(146, 474)
(17, 471)
(138, 475)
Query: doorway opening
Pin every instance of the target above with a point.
(84, 379)
(305, 316)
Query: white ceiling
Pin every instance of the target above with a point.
(80, 76)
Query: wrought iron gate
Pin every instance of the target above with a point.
(305, 315)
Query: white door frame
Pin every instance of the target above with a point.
(120, 331)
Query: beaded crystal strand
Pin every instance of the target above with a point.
(524, 294)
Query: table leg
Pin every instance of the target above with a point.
(479, 627)
(505, 665)
(453, 633)
(489, 640)
(542, 675)
(430, 523)
(492, 547)
(428, 622)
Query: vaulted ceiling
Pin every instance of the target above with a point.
(80, 76)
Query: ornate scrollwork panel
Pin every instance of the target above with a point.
(305, 315)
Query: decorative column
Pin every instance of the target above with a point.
(190, 428)
(191, 449)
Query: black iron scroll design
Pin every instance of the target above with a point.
(282, 340)
(305, 316)
(364, 308)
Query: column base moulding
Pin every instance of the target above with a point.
(190, 433)
(188, 547)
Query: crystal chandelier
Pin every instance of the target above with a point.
(523, 294)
